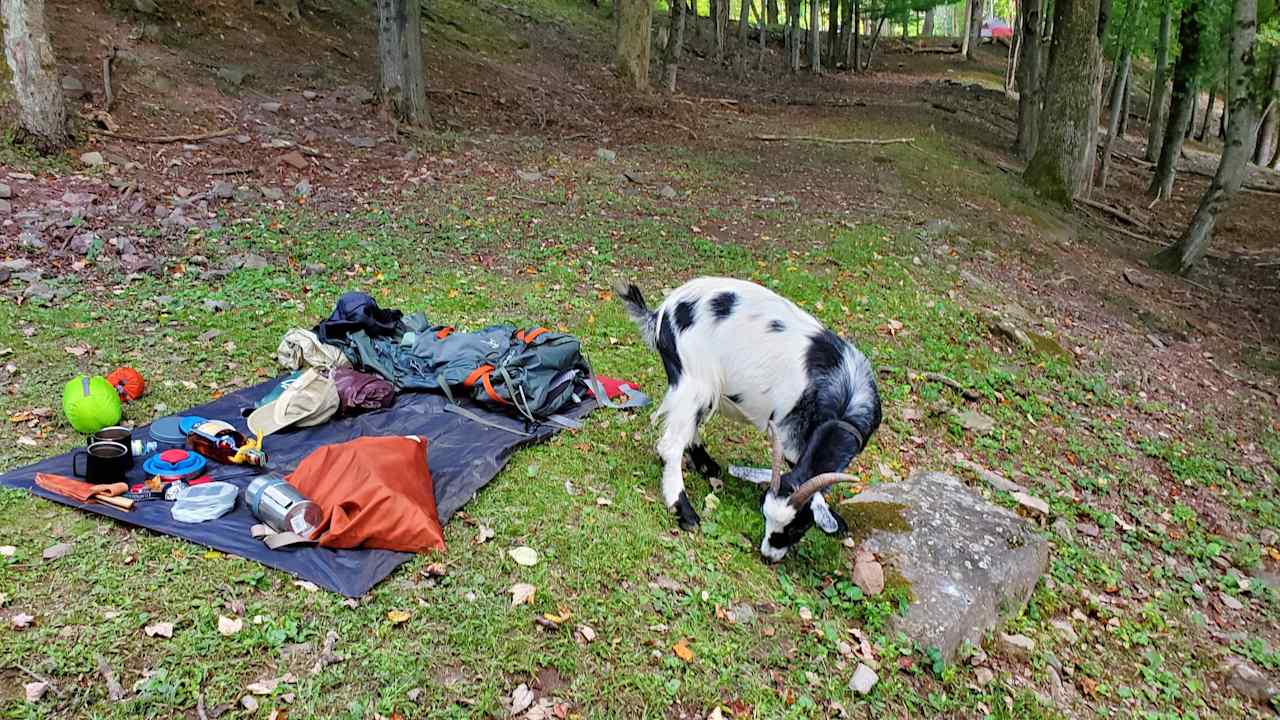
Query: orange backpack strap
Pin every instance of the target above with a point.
(444, 332)
(528, 337)
(480, 372)
(488, 389)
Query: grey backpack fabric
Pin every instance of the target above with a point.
(538, 377)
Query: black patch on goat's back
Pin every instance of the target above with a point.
(684, 314)
(667, 351)
(777, 326)
(722, 304)
(824, 354)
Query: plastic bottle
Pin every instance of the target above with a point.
(219, 441)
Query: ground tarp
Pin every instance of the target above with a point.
(463, 455)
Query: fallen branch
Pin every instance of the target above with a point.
(114, 691)
(967, 393)
(106, 77)
(232, 171)
(833, 141)
(990, 477)
(1113, 211)
(534, 200)
(327, 655)
(200, 712)
(722, 101)
(159, 139)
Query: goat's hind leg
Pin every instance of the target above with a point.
(702, 460)
(680, 430)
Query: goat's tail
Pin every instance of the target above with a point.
(639, 311)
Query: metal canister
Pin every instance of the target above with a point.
(282, 506)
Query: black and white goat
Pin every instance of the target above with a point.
(734, 346)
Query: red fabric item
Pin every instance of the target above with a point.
(375, 492)
(613, 386)
(128, 382)
(174, 456)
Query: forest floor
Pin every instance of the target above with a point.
(1146, 416)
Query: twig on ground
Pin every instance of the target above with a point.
(534, 200)
(158, 139)
(967, 393)
(1255, 385)
(232, 171)
(114, 691)
(56, 690)
(833, 141)
(106, 77)
(1113, 211)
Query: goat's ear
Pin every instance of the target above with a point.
(831, 448)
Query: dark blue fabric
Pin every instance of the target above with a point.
(463, 456)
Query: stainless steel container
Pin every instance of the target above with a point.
(282, 506)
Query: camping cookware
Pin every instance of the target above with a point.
(167, 433)
(105, 462)
(85, 492)
(282, 506)
(175, 464)
(117, 434)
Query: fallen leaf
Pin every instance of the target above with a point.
(603, 501)
(522, 593)
(266, 687)
(229, 626)
(78, 350)
(521, 699)
(715, 714)
(436, 569)
(35, 690)
(22, 620)
(806, 614)
(587, 633)
(160, 629)
(484, 533)
(682, 651)
(398, 616)
(53, 552)
(525, 556)
(307, 585)
(249, 703)
(891, 328)
(351, 603)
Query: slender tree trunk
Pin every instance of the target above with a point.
(966, 51)
(635, 18)
(871, 45)
(693, 17)
(1158, 108)
(1241, 128)
(1090, 156)
(1181, 102)
(1269, 133)
(833, 32)
(1125, 101)
(927, 29)
(42, 112)
(1030, 47)
(846, 33)
(1118, 89)
(1011, 62)
(1059, 169)
(744, 36)
(815, 36)
(857, 35)
(793, 35)
(675, 46)
(403, 89)
(1208, 114)
(720, 23)
(772, 11)
(1275, 155)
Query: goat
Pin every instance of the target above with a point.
(734, 346)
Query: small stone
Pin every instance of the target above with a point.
(5, 192)
(1230, 602)
(1056, 689)
(864, 678)
(216, 306)
(83, 243)
(294, 160)
(411, 156)
(974, 421)
(93, 159)
(271, 107)
(314, 269)
(1032, 503)
(54, 552)
(1088, 529)
(302, 189)
(1019, 646)
(1066, 630)
(31, 241)
(1268, 536)
(272, 193)
(414, 694)
(983, 677)
(362, 142)
(244, 194)
(310, 94)
(528, 176)
(243, 139)
(1137, 279)
(233, 75)
(16, 265)
(249, 703)
(222, 190)
(668, 193)
(606, 155)
(34, 691)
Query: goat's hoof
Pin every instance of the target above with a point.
(685, 514)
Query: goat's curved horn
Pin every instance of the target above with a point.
(817, 484)
(775, 482)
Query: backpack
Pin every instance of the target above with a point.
(537, 376)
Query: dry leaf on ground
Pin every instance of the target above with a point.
(522, 593)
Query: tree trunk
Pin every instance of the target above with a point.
(632, 58)
(833, 32)
(1268, 133)
(744, 36)
(1181, 102)
(1062, 160)
(794, 35)
(1029, 48)
(403, 89)
(871, 45)
(1125, 101)
(1158, 106)
(927, 29)
(1118, 89)
(720, 25)
(693, 17)
(846, 33)
(1242, 124)
(42, 112)
(1208, 113)
(815, 36)
(771, 11)
(675, 46)
(857, 35)
(1090, 155)
(966, 52)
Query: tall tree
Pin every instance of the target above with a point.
(1030, 50)
(1158, 107)
(1269, 132)
(794, 36)
(833, 32)
(772, 12)
(631, 58)
(846, 34)
(967, 43)
(675, 46)
(815, 36)
(42, 112)
(926, 29)
(1243, 101)
(1061, 164)
(1118, 89)
(857, 35)
(1181, 102)
(744, 37)
(720, 26)
(403, 88)
(1208, 113)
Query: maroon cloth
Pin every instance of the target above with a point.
(359, 392)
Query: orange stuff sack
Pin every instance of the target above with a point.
(375, 493)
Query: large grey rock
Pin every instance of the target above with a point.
(969, 564)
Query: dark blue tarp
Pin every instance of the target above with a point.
(463, 456)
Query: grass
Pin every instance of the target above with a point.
(1147, 586)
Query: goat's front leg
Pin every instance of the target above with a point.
(702, 460)
(679, 430)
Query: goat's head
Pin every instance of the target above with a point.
(793, 502)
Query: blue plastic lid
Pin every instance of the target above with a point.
(168, 430)
(187, 423)
(168, 464)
